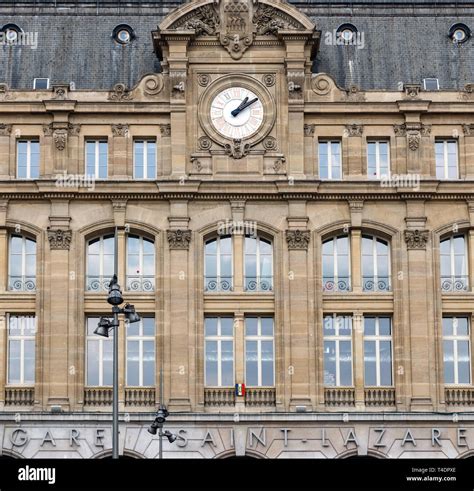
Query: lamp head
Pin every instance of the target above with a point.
(115, 294)
(153, 428)
(130, 313)
(103, 327)
(171, 437)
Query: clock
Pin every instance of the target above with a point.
(236, 112)
(236, 108)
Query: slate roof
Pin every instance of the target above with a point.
(404, 41)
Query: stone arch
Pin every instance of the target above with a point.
(249, 454)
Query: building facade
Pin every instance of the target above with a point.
(294, 200)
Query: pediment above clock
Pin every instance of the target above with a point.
(234, 23)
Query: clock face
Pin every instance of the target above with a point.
(236, 113)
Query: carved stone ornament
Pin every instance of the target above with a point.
(309, 129)
(236, 23)
(178, 83)
(60, 138)
(413, 131)
(298, 239)
(5, 129)
(279, 165)
(468, 129)
(165, 129)
(120, 93)
(204, 143)
(295, 84)
(204, 79)
(5, 95)
(414, 141)
(59, 239)
(119, 129)
(153, 84)
(179, 239)
(416, 239)
(60, 135)
(237, 149)
(412, 90)
(269, 79)
(321, 84)
(354, 129)
(270, 143)
(60, 92)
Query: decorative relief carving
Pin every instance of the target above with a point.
(297, 239)
(60, 92)
(119, 129)
(270, 143)
(179, 239)
(309, 129)
(203, 20)
(414, 141)
(354, 129)
(73, 129)
(120, 93)
(203, 79)
(60, 138)
(236, 33)
(268, 20)
(321, 84)
(204, 143)
(165, 129)
(59, 239)
(269, 79)
(237, 149)
(5, 95)
(413, 132)
(468, 129)
(412, 90)
(61, 134)
(416, 239)
(295, 84)
(280, 165)
(178, 83)
(5, 129)
(354, 94)
(197, 165)
(153, 84)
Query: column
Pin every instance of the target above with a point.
(179, 238)
(352, 148)
(419, 304)
(119, 151)
(239, 350)
(5, 132)
(56, 301)
(298, 240)
(356, 208)
(468, 139)
(358, 359)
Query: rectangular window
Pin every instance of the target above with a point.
(41, 83)
(337, 331)
(259, 352)
(378, 159)
(21, 349)
(28, 153)
(330, 160)
(457, 350)
(378, 351)
(144, 159)
(141, 353)
(96, 158)
(446, 159)
(219, 351)
(99, 356)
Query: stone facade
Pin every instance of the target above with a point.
(270, 182)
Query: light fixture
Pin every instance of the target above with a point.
(11, 33)
(123, 34)
(171, 437)
(459, 33)
(346, 33)
(115, 294)
(103, 327)
(130, 313)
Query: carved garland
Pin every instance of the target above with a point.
(59, 239)
(179, 239)
(297, 239)
(416, 239)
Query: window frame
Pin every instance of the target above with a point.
(140, 338)
(97, 143)
(377, 338)
(337, 338)
(445, 142)
(329, 143)
(29, 142)
(259, 279)
(219, 338)
(141, 254)
(378, 174)
(336, 256)
(22, 338)
(145, 142)
(24, 254)
(375, 277)
(218, 275)
(452, 263)
(455, 339)
(101, 274)
(101, 340)
(259, 338)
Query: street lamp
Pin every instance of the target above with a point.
(115, 298)
(157, 426)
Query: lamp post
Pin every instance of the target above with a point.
(115, 298)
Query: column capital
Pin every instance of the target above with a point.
(59, 239)
(297, 239)
(179, 239)
(416, 239)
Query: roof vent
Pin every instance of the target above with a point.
(430, 84)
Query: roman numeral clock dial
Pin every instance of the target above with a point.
(236, 113)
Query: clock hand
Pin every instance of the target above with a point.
(235, 112)
(239, 107)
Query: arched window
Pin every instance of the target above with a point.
(22, 264)
(218, 264)
(453, 257)
(258, 264)
(100, 263)
(375, 264)
(336, 264)
(140, 264)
